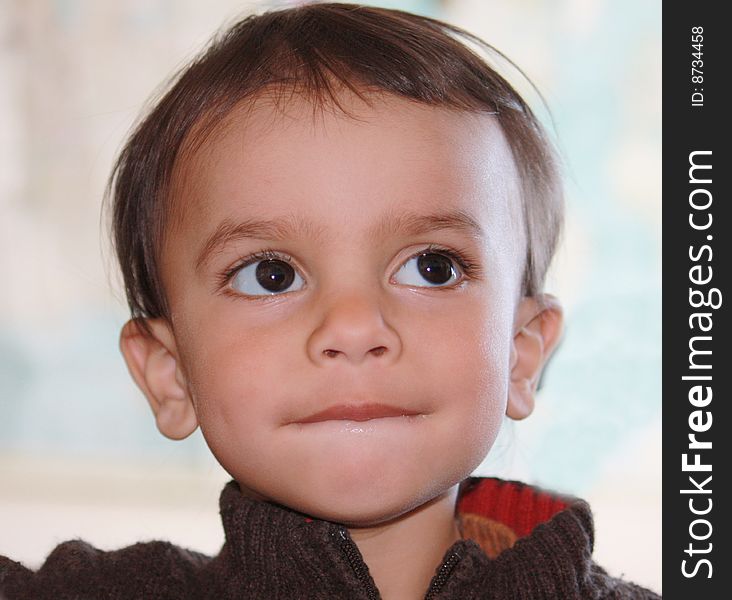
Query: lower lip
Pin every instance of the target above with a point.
(362, 427)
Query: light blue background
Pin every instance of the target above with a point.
(64, 390)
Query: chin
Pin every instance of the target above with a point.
(363, 511)
(369, 501)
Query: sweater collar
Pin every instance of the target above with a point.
(552, 557)
(274, 549)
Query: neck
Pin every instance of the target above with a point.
(403, 554)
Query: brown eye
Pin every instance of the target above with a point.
(274, 275)
(265, 277)
(435, 268)
(431, 267)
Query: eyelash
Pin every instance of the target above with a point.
(464, 260)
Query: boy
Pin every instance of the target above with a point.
(334, 231)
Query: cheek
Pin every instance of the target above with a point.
(233, 379)
(231, 367)
(469, 373)
(472, 347)
(481, 404)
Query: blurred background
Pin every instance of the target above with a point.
(79, 452)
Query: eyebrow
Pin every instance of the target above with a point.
(289, 227)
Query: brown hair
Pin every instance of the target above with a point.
(313, 49)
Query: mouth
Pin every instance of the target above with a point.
(360, 412)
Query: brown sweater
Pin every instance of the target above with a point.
(519, 543)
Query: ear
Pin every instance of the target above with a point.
(537, 330)
(152, 361)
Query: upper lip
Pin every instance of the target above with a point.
(357, 412)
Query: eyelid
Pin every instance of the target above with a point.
(266, 254)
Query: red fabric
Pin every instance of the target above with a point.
(517, 505)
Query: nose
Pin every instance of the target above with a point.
(353, 330)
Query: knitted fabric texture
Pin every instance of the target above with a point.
(542, 546)
(492, 537)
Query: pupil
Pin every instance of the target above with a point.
(274, 275)
(435, 268)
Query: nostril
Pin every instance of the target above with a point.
(378, 351)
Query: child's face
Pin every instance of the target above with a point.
(354, 322)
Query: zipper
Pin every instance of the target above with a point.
(361, 570)
(357, 564)
(439, 580)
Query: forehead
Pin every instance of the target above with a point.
(335, 174)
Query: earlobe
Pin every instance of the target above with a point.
(537, 330)
(152, 361)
